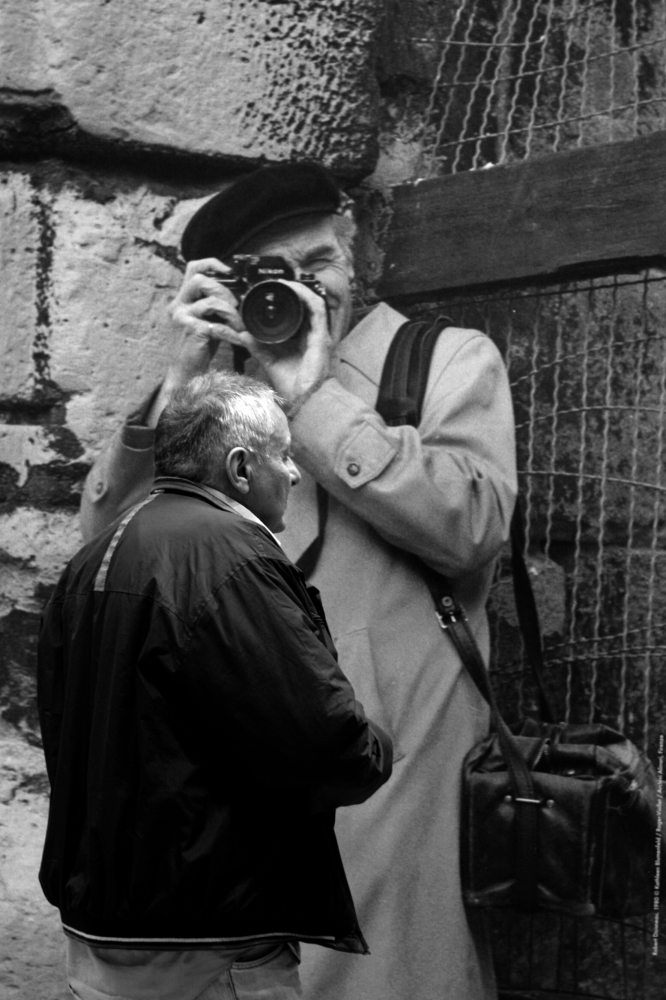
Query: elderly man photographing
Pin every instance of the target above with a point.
(374, 502)
(198, 731)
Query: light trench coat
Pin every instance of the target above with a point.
(443, 493)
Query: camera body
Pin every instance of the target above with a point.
(271, 311)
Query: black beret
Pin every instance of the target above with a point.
(254, 202)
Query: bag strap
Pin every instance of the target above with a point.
(405, 373)
(454, 623)
(400, 401)
(528, 615)
(308, 560)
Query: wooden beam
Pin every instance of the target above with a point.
(527, 220)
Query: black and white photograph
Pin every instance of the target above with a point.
(332, 499)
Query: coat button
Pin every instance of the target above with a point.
(353, 469)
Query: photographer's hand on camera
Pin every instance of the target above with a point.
(297, 367)
(203, 313)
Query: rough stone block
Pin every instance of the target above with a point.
(240, 79)
(38, 544)
(84, 320)
(18, 251)
(32, 944)
(35, 545)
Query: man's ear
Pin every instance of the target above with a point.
(238, 469)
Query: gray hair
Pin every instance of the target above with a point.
(346, 230)
(206, 418)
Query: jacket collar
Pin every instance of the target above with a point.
(174, 484)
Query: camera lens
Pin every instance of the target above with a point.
(272, 312)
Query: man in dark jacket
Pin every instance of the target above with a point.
(198, 730)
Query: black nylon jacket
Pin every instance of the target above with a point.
(198, 735)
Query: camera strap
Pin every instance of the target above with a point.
(308, 560)
(401, 394)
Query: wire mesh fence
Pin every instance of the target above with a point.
(519, 78)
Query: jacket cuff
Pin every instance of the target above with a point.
(136, 433)
(336, 430)
(137, 438)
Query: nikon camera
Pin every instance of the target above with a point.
(272, 312)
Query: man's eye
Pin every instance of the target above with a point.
(317, 264)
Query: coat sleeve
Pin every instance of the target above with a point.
(296, 724)
(444, 492)
(121, 477)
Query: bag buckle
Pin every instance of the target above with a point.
(450, 609)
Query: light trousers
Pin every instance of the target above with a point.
(261, 972)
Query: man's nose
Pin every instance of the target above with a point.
(294, 473)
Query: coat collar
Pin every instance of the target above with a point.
(174, 484)
(366, 346)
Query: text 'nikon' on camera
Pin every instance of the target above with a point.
(271, 311)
